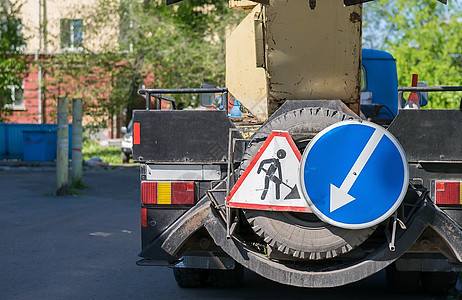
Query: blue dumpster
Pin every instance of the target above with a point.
(39, 145)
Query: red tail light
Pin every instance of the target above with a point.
(149, 192)
(144, 217)
(136, 134)
(448, 192)
(161, 193)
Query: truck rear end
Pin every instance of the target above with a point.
(194, 163)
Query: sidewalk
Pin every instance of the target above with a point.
(9, 165)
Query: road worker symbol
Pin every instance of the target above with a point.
(273, 173)
(270, 182)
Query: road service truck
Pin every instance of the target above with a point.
(331, 182)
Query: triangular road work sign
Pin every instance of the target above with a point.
(270, 181)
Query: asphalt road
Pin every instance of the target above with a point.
(85, 246)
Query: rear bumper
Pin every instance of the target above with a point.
(167, 248)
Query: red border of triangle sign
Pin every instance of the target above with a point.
(263, 189)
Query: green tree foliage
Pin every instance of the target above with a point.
(13, 66)
(425, 37)
(182, 45)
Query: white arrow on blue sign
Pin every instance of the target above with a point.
(354, 174)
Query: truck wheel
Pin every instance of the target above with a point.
(227, 278)
(438, 282)
(402, 281)
(190, 278)
(300, 235)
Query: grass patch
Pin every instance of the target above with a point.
(77, 189)
(110, 154)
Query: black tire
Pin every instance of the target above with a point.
(191, 278)
(300, 235)
(124, 157)
(438, 282)
(227, 278)
(402, 282)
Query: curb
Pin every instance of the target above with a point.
(51, 166)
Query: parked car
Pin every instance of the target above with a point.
(127, 143)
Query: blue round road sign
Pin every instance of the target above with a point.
(354, 174)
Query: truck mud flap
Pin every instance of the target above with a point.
(203, 216)
(172, 239)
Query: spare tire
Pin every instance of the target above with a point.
(300, 235)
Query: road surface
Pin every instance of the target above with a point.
(85, 246)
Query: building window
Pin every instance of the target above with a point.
(71, 33)
(16, 95)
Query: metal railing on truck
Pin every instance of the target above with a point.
(402, 90)
(158, 95)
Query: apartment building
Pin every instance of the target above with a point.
(51, 28)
